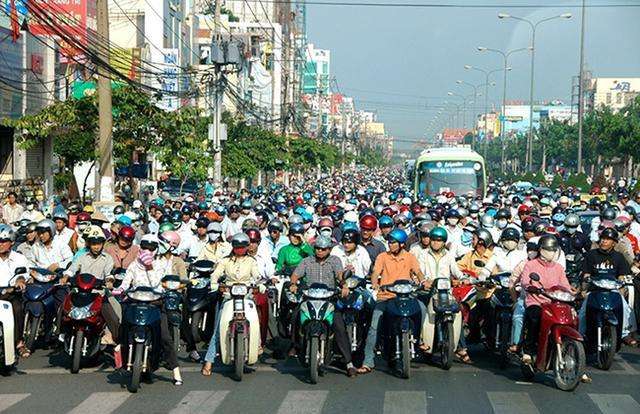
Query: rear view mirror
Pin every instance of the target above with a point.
(535, 277)
(478, 263)
(20, 270)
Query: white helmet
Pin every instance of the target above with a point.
(7, 233)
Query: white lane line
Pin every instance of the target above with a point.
(303, 402)
(405, 402)
(7, 400)
(200, 402)
(101, 403)
(615, 403)
(511, 403)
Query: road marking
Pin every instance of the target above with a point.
(303, 402)
(101, 403)
(7, 400)
(511, 403)
(405, 402)
(200, 401)
(615, 403)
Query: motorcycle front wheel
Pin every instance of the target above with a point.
(136, 369)
(405, 368)
(314, 361)
(505, 337)
(196, 320)
(609, 343)
(76, 354)
(238, 355)
(31, 329)
(447, 346)
(567, 376)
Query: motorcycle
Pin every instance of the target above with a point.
(289, 302)
(502, 303)
(199, 304)
(356, 309)
(172, 305)
(630, 283)
(398, 339)
(315, 333)
(82, 322)
(560, 345)
(574, 262)
(7, 341)
(239, 329)
(142, 333)
(39, 306)
(443, 323)
(604, 321)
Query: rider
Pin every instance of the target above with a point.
(196, 242)
(270, 246)
(368, 227)
(216, 248)
(61, 219)
(123, 252)
(26, 247)
(395, 264)
(353, 256)
(293, 253)
(167, 259)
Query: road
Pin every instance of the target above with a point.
(42, 384)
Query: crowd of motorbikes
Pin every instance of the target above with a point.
(192, 307)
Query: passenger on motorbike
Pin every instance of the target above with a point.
(216, 249)
(193, 245)
(26, 247)
(238, 267)
(270, 246)
(395, 264)
(123, 252)
(353, 256)
(266, 270)
(292, 254)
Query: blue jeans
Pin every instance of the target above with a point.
(372, 336)
(213, 344)
(517, 321)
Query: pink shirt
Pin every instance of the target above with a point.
(551, 274)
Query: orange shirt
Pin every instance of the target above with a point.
(392, 267)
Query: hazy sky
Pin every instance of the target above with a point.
(422, 51)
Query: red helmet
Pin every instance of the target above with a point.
(368, 222)
(325, 222)
(254, 235)
(387, 211)
(127, 233)
(524, 209)
(83, 217)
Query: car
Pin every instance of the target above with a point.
(175, 187)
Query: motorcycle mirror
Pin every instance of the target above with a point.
(535, 277)
(478, 263)
(347, 274)
(20, 270)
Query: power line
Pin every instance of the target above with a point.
(451, 5)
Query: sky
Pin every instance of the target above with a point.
(421, 52)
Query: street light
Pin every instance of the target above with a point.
(534, 26)
(505, 56)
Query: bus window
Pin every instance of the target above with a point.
(460, 177)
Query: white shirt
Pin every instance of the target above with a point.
(432, 267)
(505, 261)
(56, 253)
(359, 259)
(64, 236)
(195, 245)
(266, 267)
(138, 276)
(230, 227)
(9, 265)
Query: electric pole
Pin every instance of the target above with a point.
(104, 171)
(581, 90)
(217, 142)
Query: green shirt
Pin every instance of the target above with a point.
(290, 256)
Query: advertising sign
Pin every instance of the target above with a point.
(165, 64)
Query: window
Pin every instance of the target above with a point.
(608, 98)
(619, 98)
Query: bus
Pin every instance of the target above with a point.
(457, 169)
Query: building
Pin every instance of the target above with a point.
(454, 136)
(615, 93)
(516, 118)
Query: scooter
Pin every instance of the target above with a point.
(560, 345)
(502, 303)
(574, 262)
(172, 304)
(200, 299)
(82, 323)
(604, 321)
(289, 302)
(401, 320)
(7, 340)
(356, 309)
(443, 323)
(142, 334)
(39, 305)
(239, 329)
(315, 333)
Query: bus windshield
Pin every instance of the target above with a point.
(460, 177)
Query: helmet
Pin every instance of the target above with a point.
(31, 227)
(322, 242)
(510, 234)
(149, 242)
(474, 208)
(385, 221)
(452, 213)
(7, 233)
(127, 233)
(594, 203)
(46, 225)
(608, 214)
(528, 224)
(558, 219)
(214, 230)
(296, 219)
(94, 234)
(540, 227)
(83, 217)
(117, 210)
(276, 224)
(325, 222)
(246, 205)
(548, 242)
(170, 237)
(351, 236)
(254, 235)
(484, 237)
(60, 214)
(572, 220)
(487, 221)
(249, 224)
(176, 218)
(610, 233)
(524, 209)
(397, 235)
(503, 213)
(368, 222)
(186, 210)
(296, 228)
(202, 222)
(438, 233)
(167, 226)
(240, 240)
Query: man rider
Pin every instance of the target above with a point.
(216, 249)
(368, 227)
(26, 247)
(353, 256)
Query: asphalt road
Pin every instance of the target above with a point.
(42, 385)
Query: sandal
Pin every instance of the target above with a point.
(206, 371)
(365, 370)
(23, 352)
(424, 347)
(464, 357)
(628, 340)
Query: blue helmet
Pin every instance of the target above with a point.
(296, 228)
(397, 235)
(385, 221)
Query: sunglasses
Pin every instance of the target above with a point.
(322, 249)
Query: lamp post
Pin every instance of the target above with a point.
(505, 56)
(534, 27)
(464, 107)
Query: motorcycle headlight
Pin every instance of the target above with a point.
(172, 285)
(570, 257)
(561, 295)
(318, 293)
(79, 313)
(352, 282)
(402, 288)
(43, 278)
(144, 295)
(239, 290)
(200, 283)
(504, 281)
(606, 284)
(443, 284)
(292, 297)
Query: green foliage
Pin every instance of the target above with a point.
(557, 181)
(371, 157)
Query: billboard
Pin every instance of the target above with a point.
(165, 64)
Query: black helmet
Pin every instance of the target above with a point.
(510, 234)
(484, 237)
(452, 213)
(202, 222)
(187, 210)
(540, 227)
(594, 203)
(175, 217)
(351, 236)
(609, 233)
(548, 242)
(608, 213)
(503, 213)
(117, 210)
(240, 240)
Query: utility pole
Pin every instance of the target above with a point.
(104, 172)
(581, 90)
(217, 98)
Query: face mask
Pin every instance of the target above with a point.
(466, 238)
(452, 221)
(547, 255)
(510, 245)
(571, 230)
(30, 207)
(325, 232)
(239, 251)
(532, 255)
(213, 237)
(502, 223)
(145, 257)
(163, 248)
